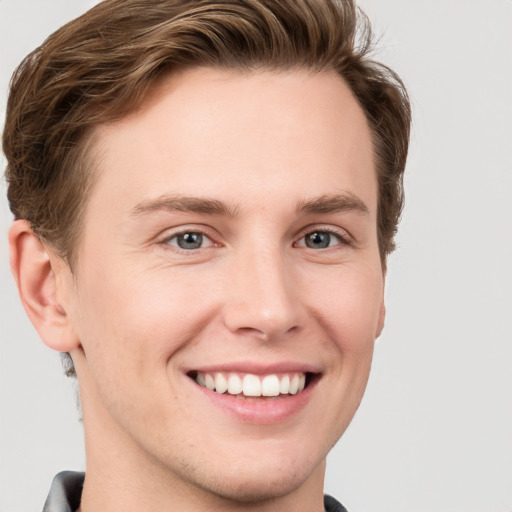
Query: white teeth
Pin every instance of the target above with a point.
(302, 382)
(270, 386)
(284, 386)
(209, 382)
(253, 385)
(234, 384)
(221, 384)
(294, 385)
(200, 379)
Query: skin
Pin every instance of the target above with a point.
(140, 312)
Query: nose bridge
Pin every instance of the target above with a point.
(263, 299)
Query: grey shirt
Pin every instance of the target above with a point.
(66, 491)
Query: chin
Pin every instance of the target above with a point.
(257, 488)
(256, 482)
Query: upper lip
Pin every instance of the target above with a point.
(257, 368)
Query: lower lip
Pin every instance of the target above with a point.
(264, 411)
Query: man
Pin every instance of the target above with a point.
(205, 194)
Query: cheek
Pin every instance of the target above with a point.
(348, 305)
(140, 319)
(130, 328)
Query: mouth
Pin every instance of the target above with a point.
(249, 385)
(255, 395)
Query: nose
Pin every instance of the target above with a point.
(263, 297)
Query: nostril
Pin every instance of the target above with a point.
(253, 332)
(263, 334)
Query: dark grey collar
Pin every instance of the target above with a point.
(65, 492)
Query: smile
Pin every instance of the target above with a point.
(251, 385)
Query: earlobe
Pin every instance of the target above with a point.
(381, 319)
(36, 271)
(382, 311)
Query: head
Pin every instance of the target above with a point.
(123, 68)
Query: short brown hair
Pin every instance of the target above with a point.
(99, 67)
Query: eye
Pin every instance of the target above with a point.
(321, 239)
(189, 240)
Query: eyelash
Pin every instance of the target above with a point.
(341, 237)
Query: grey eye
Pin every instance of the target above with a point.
(188, 240)
(318, 240)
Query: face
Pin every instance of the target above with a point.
(229, 242)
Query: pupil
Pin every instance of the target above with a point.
(190, 240)
(318, 240)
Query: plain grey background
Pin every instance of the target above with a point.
(434, 432)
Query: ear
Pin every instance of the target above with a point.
(39, 275)
(381, 319)
(382, 310)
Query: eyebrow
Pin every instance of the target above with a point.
(208, 206)
(333, 204)
(178, 203)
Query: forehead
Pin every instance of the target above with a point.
(209, 132)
